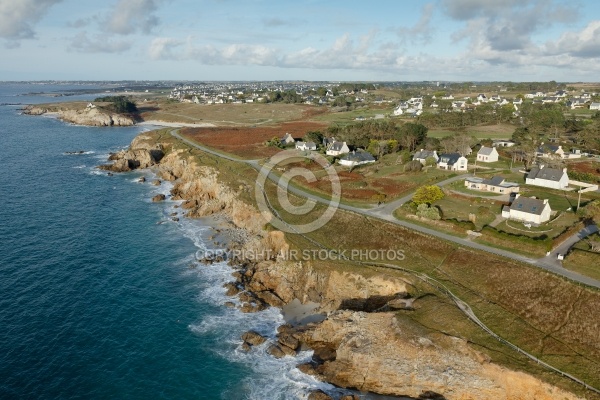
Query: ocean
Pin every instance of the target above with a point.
(100, 292)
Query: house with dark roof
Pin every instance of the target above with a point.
(528, 209)
(503, 143)
(358, 157)
(452, 162)
(553, 178)
(337, 148)
(422, 156)
(550, 150)
(496, 184)
(487, 154)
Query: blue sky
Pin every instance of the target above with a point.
(457, 40)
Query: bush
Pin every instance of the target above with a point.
(425, 211)
(413, 166)
(428, 194)
(119, 103)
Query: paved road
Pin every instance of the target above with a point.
(385, 212)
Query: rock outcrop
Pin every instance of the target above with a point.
(87, 116)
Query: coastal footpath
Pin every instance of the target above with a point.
(88, 116)
(358, 329)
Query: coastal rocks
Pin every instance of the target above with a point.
(142, 179)
(379, 353)
(87, 116)
(159, 197)
(94, 117)
(129, 160)
(156, 182)
(319, 395)
(253, 338)
(34, 110)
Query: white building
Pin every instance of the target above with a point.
(553, 178)
(487, 154)
(528, 209)
(452, 162)
(337, 148)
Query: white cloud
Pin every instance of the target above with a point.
(131, 16)
(584, 44)
(162, 48)
(17, 17)
(98, 44)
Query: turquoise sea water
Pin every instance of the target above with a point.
(100, 296)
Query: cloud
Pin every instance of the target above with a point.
(421, 30)
(507, 25)
(131, 16)
(162, 48)
(584, 44)
(17, 17)
(99, 44)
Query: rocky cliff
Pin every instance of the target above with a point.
(86, 116)
(360, 341)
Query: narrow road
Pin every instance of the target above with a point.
(385, 213)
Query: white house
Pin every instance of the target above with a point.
(528, 209)
(306, 146)
(496, 184)
(358, 157)
(452, 162)
(337, 148)
(595, 106)
(487, 154)
(287, 139)
(422, 156)
(553, 178)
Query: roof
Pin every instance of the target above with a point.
(494, 181)
(549, 174)
(528, 205)
(358, 156)
(450, 158)
(337, 146)
(485, 151)
(423, 154)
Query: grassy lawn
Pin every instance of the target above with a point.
(481, 211)
(584, 262)
(551, 229)
(559, 200)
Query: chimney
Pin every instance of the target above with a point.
(545, 201)
(542, 166)
(565, 170)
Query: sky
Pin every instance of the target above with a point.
(327, 40)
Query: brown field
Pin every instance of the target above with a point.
(248, 142)
(591, 167)
(227, 114)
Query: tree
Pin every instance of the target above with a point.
(428, 195)
(528, 142)
(430, 161)
(411, 135)
(314, 136)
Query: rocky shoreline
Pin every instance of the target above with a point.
(89, 116)
(356, 332)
